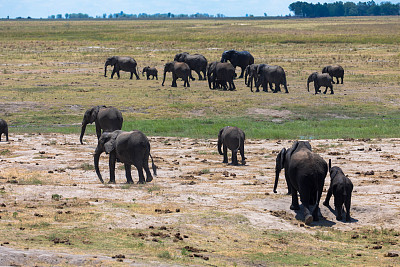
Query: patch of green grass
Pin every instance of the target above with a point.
(5, 152)
(31, 181)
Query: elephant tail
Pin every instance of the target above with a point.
(153, 166)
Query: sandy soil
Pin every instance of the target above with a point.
(192, 177)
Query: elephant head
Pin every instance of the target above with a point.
(326, 69)
(169, 67)
(310, 79)
(110, 61)
(228, 55)
(106, 144)
(145, 69)
(89, 117)
(211, 73)
(181, 57)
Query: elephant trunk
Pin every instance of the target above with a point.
(277, 171)
(308, 86)
(96, 164)
(165, 72)
(105, 70)
(82, 132)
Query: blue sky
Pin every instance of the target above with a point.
(43, 9)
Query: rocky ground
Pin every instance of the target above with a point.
(191, 180)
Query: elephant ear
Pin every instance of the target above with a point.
(308, 145)
(109, 145)
(294, 147)
(94, 112)
(334, 171)
(220, 133)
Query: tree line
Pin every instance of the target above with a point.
(122, 15)
(338, 9)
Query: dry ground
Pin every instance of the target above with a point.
(194, 193)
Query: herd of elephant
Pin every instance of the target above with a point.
(305, 171)
(221, 74)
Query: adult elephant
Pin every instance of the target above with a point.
(306, 172)
(335, 71)
(105, 118)
(121, 63)
(219, 74)
(232, 138)
(268, 75)
(319, 80)
(238, 59)
(179, 70)
(251, 73)
(3, 129)
(130, 148)
(196, 62)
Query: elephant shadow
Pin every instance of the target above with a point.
(323, 221)
(352, 220)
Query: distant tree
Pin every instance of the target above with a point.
(59, 16)
(104, 15)
(66, 15)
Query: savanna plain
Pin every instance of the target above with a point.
(197, 211)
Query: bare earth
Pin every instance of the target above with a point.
(192, 180)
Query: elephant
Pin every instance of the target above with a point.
(121, 63)
(268, 74)
(105, 118)
(130, 148)
(219, 74)
(150, 71)
(251, 72)
(341, 187)
(196, 62)
(232, 138)
(3, 129)
(179, 70)
(335, 71)
(306, 173)
(238, 58)
(319, 80)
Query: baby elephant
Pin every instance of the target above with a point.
(319, 80)
(341, 187)
(130, 148)
(3, 129)
(232, 138)
(150, 71)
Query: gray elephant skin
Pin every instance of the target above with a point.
(250, 75)
(150, 72)
(3, 129)
(341, 187)
(268, 75)
(130, 148)
(319, 80)
(306, 173)
(231, 138)
(179, 70)
(105, 118)
(219, 74)
(127, 64)
(334, 71)
(238, 59)
(196, 62)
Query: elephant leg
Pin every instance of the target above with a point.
(241, 73)
(305, 200)
(286, 90)
(342, 80)
(140, 172)
(137, 76)
(111, 165)
(148, 77)
(190, 76)
(174, 78)
(128, 174)
(98, 131)
(338, 210)
(295, 200)
(225, 151)
(157, 77)
(337, 80)
(242, 155)
(113, 72)
(199, 73)
(277, 88)
(326, 89)
(131, 76)
(234, 157)
(332, 90)
(328, 197)
(347, 204)
(149, 177)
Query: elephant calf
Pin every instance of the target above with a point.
(3, 129)
(341, 187)
(334, 71)
(150, 71)
(130, 148)
(179, 70)
(319, 80)
(232, 138)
